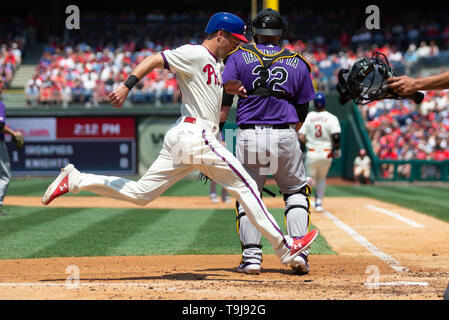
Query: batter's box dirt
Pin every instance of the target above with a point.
(364, 239)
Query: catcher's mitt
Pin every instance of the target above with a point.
(18, 140)
(365, 81)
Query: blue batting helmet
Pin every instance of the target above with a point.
(320, 100)
(228, 22)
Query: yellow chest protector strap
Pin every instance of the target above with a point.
(266, 61)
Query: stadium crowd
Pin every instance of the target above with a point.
(85, 66)
(402, 130)
(10, 61)
(86, 76)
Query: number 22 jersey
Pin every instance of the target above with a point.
(289, 75)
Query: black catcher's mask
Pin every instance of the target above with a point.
(365, 81)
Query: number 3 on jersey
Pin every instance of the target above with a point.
(318, 130)
(276, 77)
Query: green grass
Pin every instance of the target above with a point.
(430, 200)
(28, 232)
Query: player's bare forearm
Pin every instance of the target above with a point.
(406, 85)
(436, 82)
(118, 96)
(224, 112)
(302, 138)
(298, 126)
(9, 131)
(148, 64)
(235, 87)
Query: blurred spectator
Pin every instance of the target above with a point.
(423, 50)
(32, 91)
(401, 130)
(362, 168)
(78, 92)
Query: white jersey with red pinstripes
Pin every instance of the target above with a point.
(198, 73)
(318, 129)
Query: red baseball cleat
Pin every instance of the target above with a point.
(59, 186)
(299, 245)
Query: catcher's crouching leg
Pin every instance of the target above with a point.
(297, 221)
(250, 240)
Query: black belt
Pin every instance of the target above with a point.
(274, 126)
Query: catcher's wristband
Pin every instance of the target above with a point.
(131, 81)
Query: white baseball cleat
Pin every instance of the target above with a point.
(59, 186)
(300, 265)
(249, 267)
(319, 208)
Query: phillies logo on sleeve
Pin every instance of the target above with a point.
(211, 73)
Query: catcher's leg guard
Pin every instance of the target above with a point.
(297, 223)
(297, 212)
(249, 238)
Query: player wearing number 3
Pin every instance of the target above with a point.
(321, 135)
(190, 144)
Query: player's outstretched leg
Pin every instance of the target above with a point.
(160, 176)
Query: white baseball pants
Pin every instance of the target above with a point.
(317, 166)
(191, 144)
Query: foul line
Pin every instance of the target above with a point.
(398, 283)
(392, 262)
(396, 216)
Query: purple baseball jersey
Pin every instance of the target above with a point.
(2, 119)
(289, 75)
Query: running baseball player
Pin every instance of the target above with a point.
(321, 135)
(5, 164)
(190, 143)
(279, 89)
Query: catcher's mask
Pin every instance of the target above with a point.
(268, 22)
(365, 81)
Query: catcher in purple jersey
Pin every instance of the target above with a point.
(275, 90)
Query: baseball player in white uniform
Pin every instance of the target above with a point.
(190, 143)
(321, 135)
(362, 167)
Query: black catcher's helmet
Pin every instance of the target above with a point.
(268, 22)
(365, 81)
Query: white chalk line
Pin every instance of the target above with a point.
(381, 227)
(396, 216)
(398, 283)
(392, 262)
(53, 284)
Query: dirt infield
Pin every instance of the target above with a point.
(384, 252)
